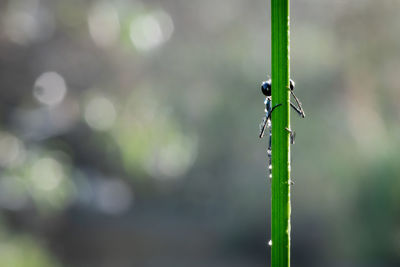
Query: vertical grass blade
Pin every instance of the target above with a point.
(280, 225)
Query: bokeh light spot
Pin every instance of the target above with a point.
(104, 26)
(26, 22)
(50, 88)
(166, 24)
(173, 159)
(146, 33)
(12, 151)
(47, 174)
(100, 113)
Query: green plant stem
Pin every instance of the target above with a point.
(280, 210)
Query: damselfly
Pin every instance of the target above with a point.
(266, 123)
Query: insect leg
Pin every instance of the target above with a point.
(263, 125)
(299, 108)
(269, 113)
(269, 151)
(300, 112)
(292, 135)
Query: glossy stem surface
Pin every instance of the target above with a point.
(280, 56)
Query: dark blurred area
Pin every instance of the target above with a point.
(128, 133)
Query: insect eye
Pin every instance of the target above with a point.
(292, 84)
(266, 88)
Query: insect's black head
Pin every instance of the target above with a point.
(292, 84)
(266, 88)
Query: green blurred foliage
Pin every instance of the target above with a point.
(19, 250)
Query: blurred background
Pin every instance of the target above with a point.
(128, 133)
